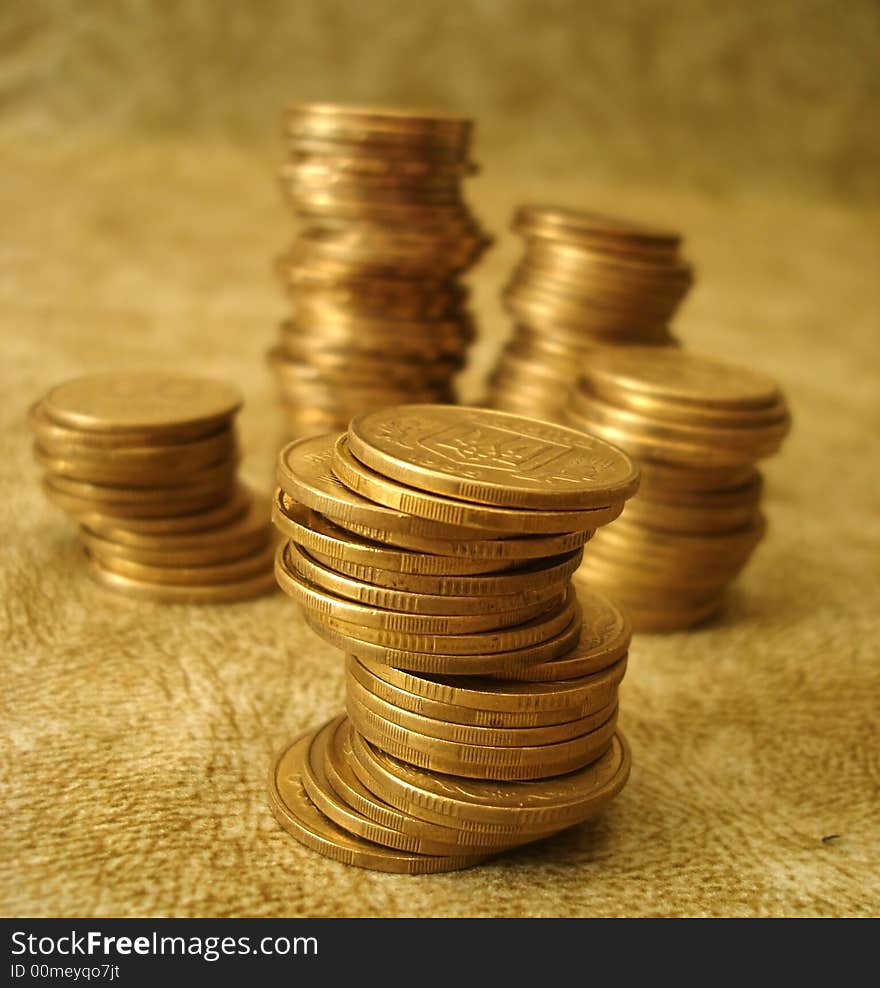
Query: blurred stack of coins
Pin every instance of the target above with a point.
(696, 425)
(379, 314)
(435, 546)
(584, 281)
(146, 464)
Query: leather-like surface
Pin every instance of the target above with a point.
(136, 738)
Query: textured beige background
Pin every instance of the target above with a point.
(139, 215)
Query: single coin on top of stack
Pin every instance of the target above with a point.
(147, 464)
(379, 314)
(435, 546)
(697, 426)
(585, 280)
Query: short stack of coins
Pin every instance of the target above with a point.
(379, 314)
(697, 426)
(585, 280)
(435, 546)
(146, 463)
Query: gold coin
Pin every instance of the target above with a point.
(491, 697)
(480, 761)
(492, 458)
(186, 485)
(530, 579)
(326, 541)
(321, 791)
(328, 607)
(117, 474)
(645, 446)
(775, 414)
(676, 482)
(296, 813)
(759, 440)
(604, 232)
(389, 628)
(495, 550)
(142, 402)
(603, 640)
(219, 593)
(683, 376)
(431, 837)
(561, 636)
(690, 519)
(304, 473)
(381, 681)
(446, 729)
(444, 510)
(512, 805)
(118, 450)
(298, 561)
(131, 531)
(358, 124)
(89, 508)
(675, 577)
(240, 537)
(205, 575)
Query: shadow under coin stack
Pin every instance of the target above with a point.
(585, 281)
(147, 464)
(380, 316)
(696, 425)
(435, 546)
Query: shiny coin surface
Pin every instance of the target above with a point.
(416, 602)
(354, 554)
(238, 537)
(683, 376)
(304, 473)
(447, 511)
(491, 457)
(170, 404)
(219, 593)
(431, 837)
(405, 625)
(132, 531)
(476, 734)
(297, 814)
(480, 761)
(504, 663)
(430, 795)
(582, 694)
(198, 576)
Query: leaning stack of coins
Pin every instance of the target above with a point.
(585, 280)
(379, 314)
(697, 426)
(435, 546)
(146, 463)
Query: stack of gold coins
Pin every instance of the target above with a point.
(435, 546)
(379, 314)
(147, 463)
(696, 425)
(584, 281)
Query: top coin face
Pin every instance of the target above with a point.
(562, 223)
(680, 375)
(135, 401)
(491, 457)
(363, 124)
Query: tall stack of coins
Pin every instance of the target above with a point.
(146, 464)
(379, 314)
(584, 281)
(696, 425)
(435, 546)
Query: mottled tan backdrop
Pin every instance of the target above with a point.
(140, 213)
